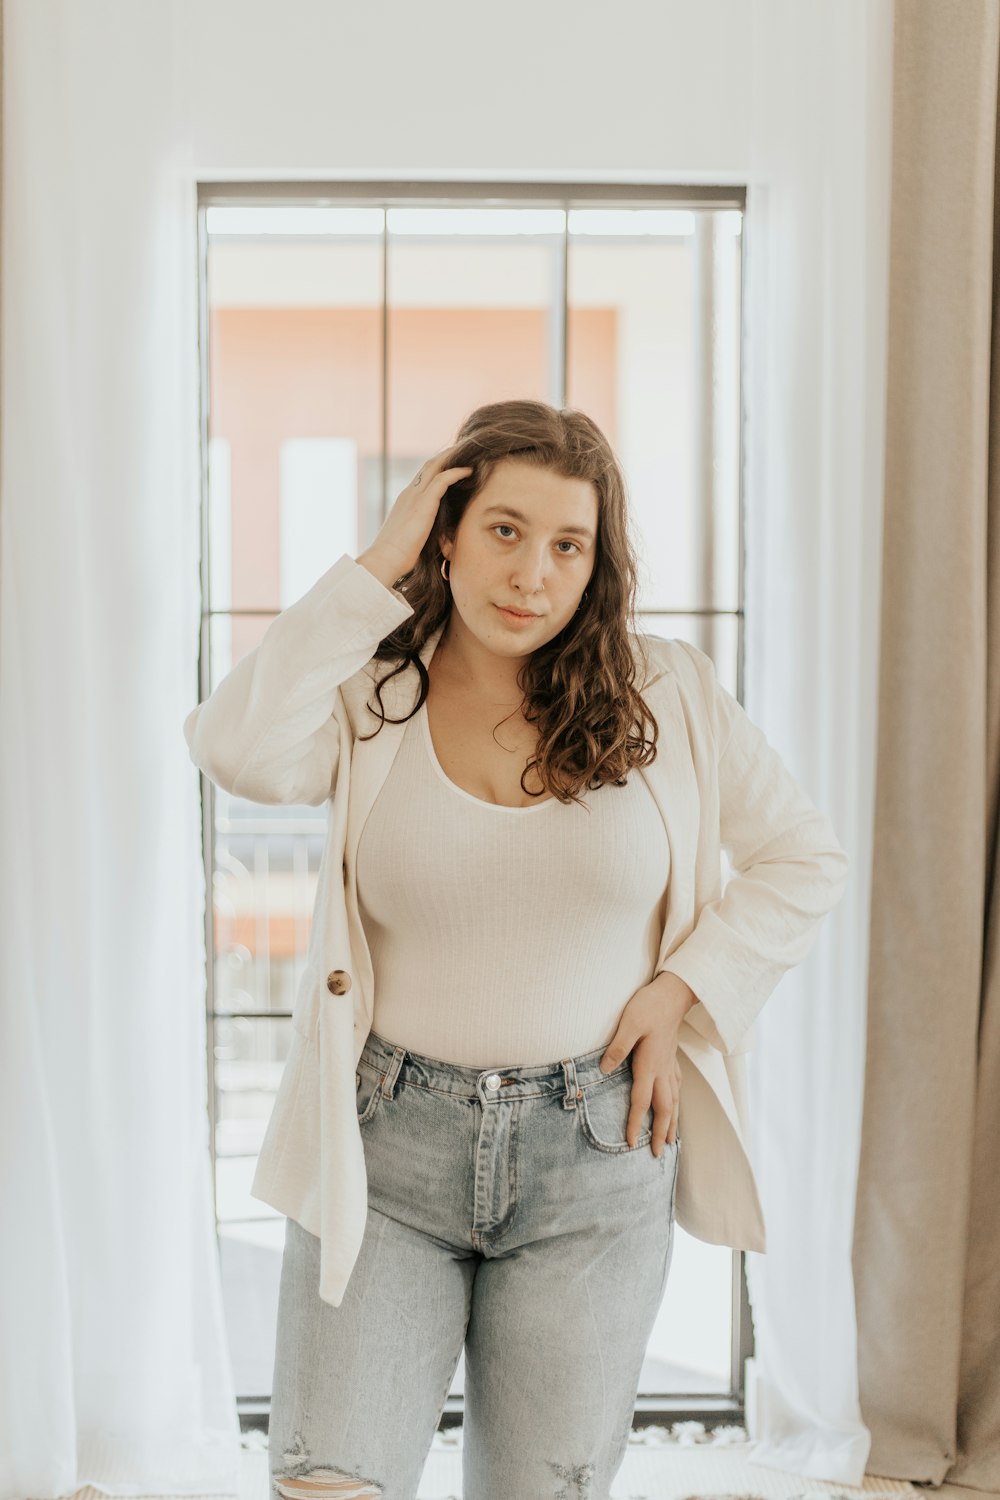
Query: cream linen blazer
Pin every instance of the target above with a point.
(282, 727)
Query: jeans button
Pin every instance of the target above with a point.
(493, 1082)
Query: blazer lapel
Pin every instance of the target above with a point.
(371, 762)
(672, 779)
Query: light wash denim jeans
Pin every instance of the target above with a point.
(507, 1215)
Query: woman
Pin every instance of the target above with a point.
(527, 914)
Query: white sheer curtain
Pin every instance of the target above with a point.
(817, 232)
(113, 1362)
(114, 1370)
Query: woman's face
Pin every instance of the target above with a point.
(528, 539)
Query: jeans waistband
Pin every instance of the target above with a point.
(568, 1076)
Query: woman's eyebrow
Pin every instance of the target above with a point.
(508, 510)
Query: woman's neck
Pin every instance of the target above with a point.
(476, 673)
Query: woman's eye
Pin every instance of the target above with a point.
(505, 526)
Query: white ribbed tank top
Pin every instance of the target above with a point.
(506, 935)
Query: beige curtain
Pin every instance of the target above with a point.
(927, 1229)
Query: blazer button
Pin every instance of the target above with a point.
(338, 982)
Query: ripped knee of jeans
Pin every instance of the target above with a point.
(303, 1482)
(577, 1480)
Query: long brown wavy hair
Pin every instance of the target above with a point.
(579, 687)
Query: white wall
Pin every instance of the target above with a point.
(657, 90)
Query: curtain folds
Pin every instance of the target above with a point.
(114, 1366)
(815, 326)
(926, 1258)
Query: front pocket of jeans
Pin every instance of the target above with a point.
(368, 1081)
(604, 1111)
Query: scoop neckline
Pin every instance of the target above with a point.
(460, 790)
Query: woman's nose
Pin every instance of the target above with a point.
(530, 575)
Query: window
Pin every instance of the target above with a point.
(345, 333)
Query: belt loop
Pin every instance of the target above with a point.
(392, 1072)
(573, 1090)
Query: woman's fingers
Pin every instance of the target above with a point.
(406, 528)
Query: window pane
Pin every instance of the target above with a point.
(474, 315)
(654, 357)
(631, 314)
(250, 1053)
(296, 380)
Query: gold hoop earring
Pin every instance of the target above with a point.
(445, 563)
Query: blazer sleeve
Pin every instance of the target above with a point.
(267, 731)
(789, 872)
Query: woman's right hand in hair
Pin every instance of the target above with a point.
(408, 525)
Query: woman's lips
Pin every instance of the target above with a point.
(514, 618)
